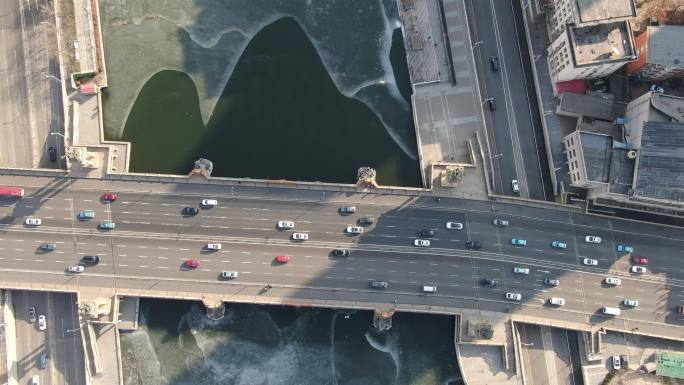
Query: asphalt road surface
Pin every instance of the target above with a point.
(514, 128)
(152, 240)
(60, 342)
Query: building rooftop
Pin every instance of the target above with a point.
(666, 45)
(600, 10)
(602, 43)
(660, 173)
(596, 149)
(573, 104)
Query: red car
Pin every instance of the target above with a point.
(192, 263)
(639, 260)
(108, 197)
(283, 259)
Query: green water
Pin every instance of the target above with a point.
(279, 117)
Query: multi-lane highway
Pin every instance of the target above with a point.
(152, 239)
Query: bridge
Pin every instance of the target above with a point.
(144, 255)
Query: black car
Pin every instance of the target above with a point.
(43, 361)
(625, 360)
(489, 282)
(341, 253)
(189, 211)
(473, 245)
(90, 260)
(366, 221)
(53, 154)
(48, 246)
(494, 61)
(492, 104)
(426, 233)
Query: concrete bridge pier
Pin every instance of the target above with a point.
(382, 320)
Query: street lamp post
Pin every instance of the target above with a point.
(54, 78)
(476, 44)
(495, 156)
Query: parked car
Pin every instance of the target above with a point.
(630, 302)
(514, 186)
(500, 222)
(590, 262)
(189, 211)
(514, 296)
(656, 88)
(90, 260)
(214, 246)
(300, 236)
(494, 62)
(489, 282)
(48, 246)
(341, 253)
(557, 301)
(283, 259)
(638, 269)
(42, 361)
(518, 242)
(33, 222)
(625, 360)
(613, 281)
(42, 322)
(551, 281)
(286, 225)
(347, 210)
(473, 245)
(625, 248)
(75, 269)
(192, 263)
(35, 380)
(421, 243)
(208, 203)
(85, 215)
(454, 225)
(427, 233)
(592, 239)
(639, 260)
(379, 284)
(32, 314)
(229, 274)
(354, 230)
(52, 152)
(616, 362)
(106, 225)
(559, 245)
(109, 197)
(366, 221)
(521, 270)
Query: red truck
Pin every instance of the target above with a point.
(14, 192)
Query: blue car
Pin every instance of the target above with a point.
(518, 242)
(559, 245)
(86, 214)
(107, 225)
(625, 248)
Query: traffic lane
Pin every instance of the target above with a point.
(533, 353)
(515, 79)
(560, 345)
(493, 88)
(32, 340)
(67, 357)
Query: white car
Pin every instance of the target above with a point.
(229, 274)
(630, 302)
(213, 246)
(638, 269)
(616, 362)
(33, 222)
(354, 230)
(590, 262)
(209, 202)
(514, 296)
(521, 270)
(421, 243)
(42, 323)
(515, 186)
(75, 269)
(613, 281)
(592, 239)
(454, 225)
(286, 225)
(35, 380)
(557, 301)
(300, 236)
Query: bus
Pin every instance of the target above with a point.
(14, 192)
